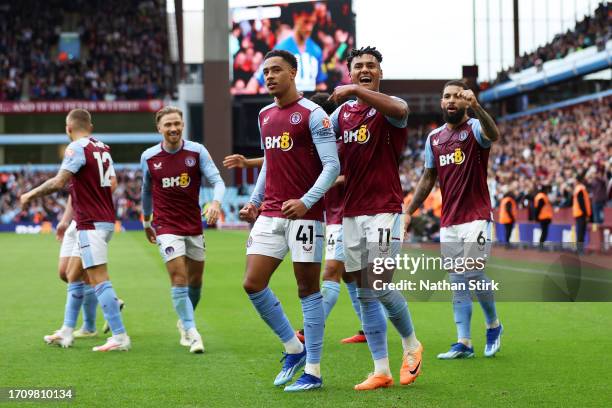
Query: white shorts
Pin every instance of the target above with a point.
(93, 246)
(172, 246)
(468, 240)
(371, 236)
(70, 246)
(335, 246)
(275, 236)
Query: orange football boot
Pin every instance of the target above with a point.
(358, 338)
(411, 365)
(375, 381)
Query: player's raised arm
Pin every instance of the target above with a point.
(489, 128)
(389, 106)
(211, 173)
(324, 138)
(147, 200)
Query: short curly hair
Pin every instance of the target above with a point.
(362, 51)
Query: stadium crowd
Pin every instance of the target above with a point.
(592, 30)
(121, 57)
(550, 148)
(51, 208)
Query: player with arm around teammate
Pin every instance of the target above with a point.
(373, 131)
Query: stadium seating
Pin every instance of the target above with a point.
(591, 31)
(123, 57)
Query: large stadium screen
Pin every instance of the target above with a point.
(319, 33)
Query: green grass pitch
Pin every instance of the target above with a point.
(554, 354)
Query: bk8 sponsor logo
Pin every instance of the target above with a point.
(452, 158)
(361, 135)
(179, 181)
(284, 142)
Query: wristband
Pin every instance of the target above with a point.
(146, 224)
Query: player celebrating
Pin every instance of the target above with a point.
(88, 163)
(172, 174)
(70, 263)
(292, 181)
(373, 129)
(334, 256)
(458, 153)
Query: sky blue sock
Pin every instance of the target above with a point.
(314, 324)
(183, 306)
(74, 300)
(271, 311)
(374, 323)
(194, 295)
(397, 310)
(90, 306)
(110, 307)
(462, 306)
(486, 298)
(330, 291)
(352, 290)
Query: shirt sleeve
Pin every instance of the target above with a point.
(477, 130)
(399, 123)
(74, 158)
(334, 119)
(321, 127)
(429, 157)
(325, 143)
(257, 196)
(146, 197)
(211, 173)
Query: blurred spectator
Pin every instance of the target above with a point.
(592, 30)
(50, 208)
(597, 185)
(123, 51)
(317, 33)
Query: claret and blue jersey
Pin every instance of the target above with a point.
(171, 187)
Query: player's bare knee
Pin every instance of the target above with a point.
(62, 275)
(251, 286)
(307, 288)
(332, 272)
(179, 279)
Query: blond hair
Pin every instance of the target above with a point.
(166, 110)
(80, 119)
